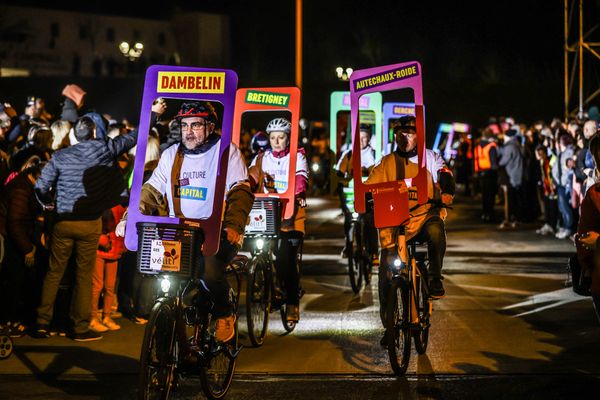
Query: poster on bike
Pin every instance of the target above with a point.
(391, 197)
(189, 95)
(340, 137)
(255, 110)
(391, 112)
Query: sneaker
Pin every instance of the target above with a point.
(503, 225)
(545, 230)
(140, 320)
(15, 329)
(514, 224)
(225, 328)
(42, 331)
(436, 288)
(293, 313)
(97, 326)
(110, 324)
(565, 233)
(559, 233)
(116, 314)
(86, 336)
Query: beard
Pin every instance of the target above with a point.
(191, 141)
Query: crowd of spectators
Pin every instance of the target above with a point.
(63, 189)
(533, 173)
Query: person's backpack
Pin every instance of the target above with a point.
(580, 283)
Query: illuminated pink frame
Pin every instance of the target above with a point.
(399, 187)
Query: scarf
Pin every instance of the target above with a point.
(282, 153)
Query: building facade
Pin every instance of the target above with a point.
(40, 42)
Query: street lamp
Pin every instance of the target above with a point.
(131, 52)
(343, 74)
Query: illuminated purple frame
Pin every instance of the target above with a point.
(212, 225)
(413, 82)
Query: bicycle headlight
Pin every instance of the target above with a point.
(165, 284)
(354, 215)
(315, 167)
(260, 244)
(397, 263)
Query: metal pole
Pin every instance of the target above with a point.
(566, 81)
(299, 43)
(580, 113)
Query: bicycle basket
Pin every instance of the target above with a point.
(168, 248)
(265, 217)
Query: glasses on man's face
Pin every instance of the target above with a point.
(194, 126)
(407, 133)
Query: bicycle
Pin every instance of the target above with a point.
(175, 326)
(264, 292)
(359, 262)
(409, 305)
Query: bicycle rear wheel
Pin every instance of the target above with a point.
(157, 360)
(355, 258)
(257, 302)
(397, 327)
(217, 371)
(423, 309)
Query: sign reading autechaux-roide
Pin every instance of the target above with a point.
(267, 98)
(191, 82)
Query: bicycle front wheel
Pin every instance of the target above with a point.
(397, 327)
(355, 258)
(217, 371)
(257, 303)
(157, 360)
(423, 301)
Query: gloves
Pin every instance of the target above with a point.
(120, 229)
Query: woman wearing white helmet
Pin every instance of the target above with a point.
(273, 164)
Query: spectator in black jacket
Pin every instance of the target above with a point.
(25, 254)
(87, 181)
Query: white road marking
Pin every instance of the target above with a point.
(555, 298)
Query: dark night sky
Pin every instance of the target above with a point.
(505, 53)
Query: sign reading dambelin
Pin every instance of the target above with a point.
(191, 82)
(267, 98)
(398, 74)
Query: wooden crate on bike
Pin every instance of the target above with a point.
(168, 248)
(265, 217)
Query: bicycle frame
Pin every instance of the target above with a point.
(409, 270)
(263, 253)
(202, 315)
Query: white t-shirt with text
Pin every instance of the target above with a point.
(197, 179)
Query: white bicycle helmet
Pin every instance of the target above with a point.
(279, 125)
